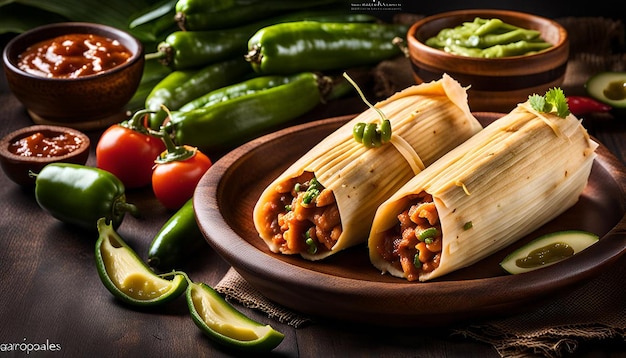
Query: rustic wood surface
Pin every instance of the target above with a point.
(51, 294)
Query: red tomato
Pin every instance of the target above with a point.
(174, 182)
(128, 154)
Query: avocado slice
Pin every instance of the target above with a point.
(609, 88)
(547, 250)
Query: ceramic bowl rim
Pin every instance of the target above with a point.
(22, 132)
(416, 44)
(10, 51)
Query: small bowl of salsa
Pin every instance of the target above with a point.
(74, 74)
(27, 150)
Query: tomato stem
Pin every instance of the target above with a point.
(172, 151)
(136, 122)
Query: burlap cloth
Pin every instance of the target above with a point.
(594, 311)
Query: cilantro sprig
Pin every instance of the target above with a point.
(553, 101)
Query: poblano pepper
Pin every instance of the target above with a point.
(80, 195)
(180, 87)
(191, 49)
(243, 88)
(293, 47)
(193, 15)
(222, 126)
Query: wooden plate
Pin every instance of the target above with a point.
(347, 287)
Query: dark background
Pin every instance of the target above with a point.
(546, 8)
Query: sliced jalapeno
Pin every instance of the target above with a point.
(127, 277)
(223, 324)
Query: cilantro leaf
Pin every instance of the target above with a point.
(537, 102)
(553, 101)
(556, 97)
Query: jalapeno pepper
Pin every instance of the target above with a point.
(180, 87)
(177, 239)
(229, 123)
(80, 195)
(293, 47)
(193, 15)
(233, 91)
(189, 49)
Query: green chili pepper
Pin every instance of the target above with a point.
(226, 124)
(127, 277)
(416, 260)
(180, 87)
(225, 325)
(311, 245)
(370, 134)
(488, 38)
(193, 15)
(298, 46)
(312, 192)
(243, 88)
(177, 239)
(80, 195)
(192, 49)
(429, 233)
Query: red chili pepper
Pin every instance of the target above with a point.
(580, 105)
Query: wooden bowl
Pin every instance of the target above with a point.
(496, 84)
(18, 167)
(88, 102)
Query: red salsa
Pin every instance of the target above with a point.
(46, 145)
(75, 55)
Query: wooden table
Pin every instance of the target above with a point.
(51, 294)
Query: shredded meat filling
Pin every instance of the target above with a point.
(303, 216)
(414, 244)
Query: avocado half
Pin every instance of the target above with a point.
(609, 88)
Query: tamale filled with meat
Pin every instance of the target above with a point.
(511, 178)
(326, 200)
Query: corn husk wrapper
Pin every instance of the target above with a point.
(432, 118)
(517, 174)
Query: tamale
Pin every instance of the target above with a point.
(512, 177)
(349, 180)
